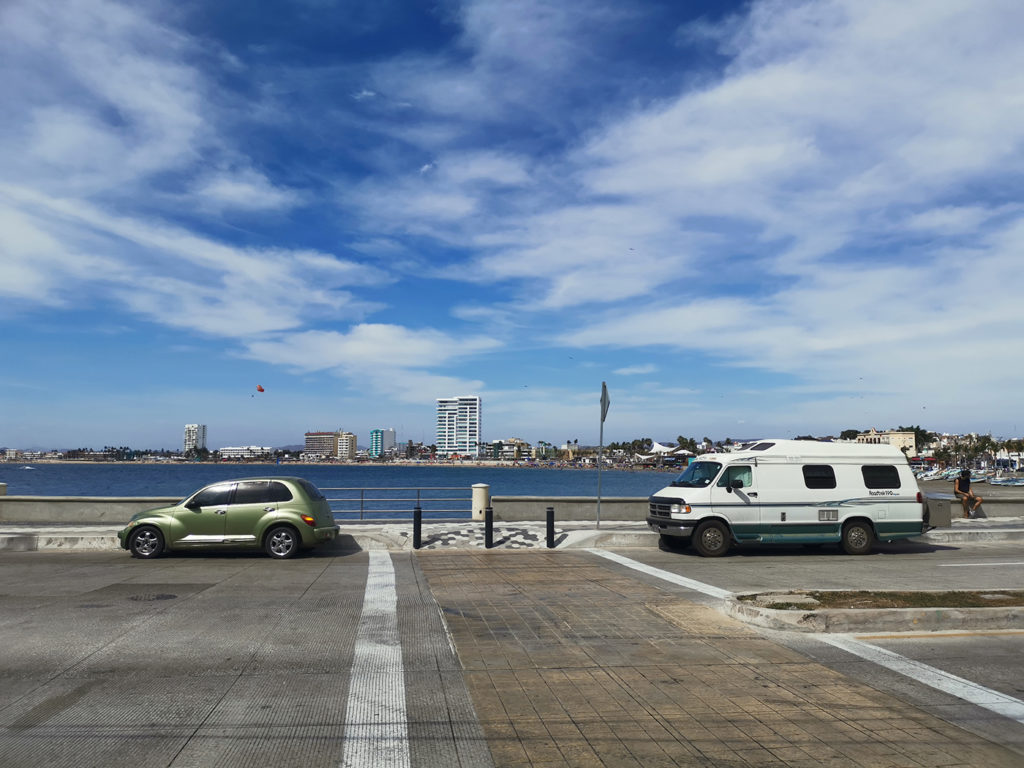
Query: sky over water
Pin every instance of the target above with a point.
(765, 218)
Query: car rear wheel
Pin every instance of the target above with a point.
(282, 542)
(146, 543)
(857, 538)
(712, 538)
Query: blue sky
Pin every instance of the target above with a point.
(762, 219)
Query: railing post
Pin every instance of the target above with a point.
(488, 527)
(417, 525)
(362, 498)
(551, 527)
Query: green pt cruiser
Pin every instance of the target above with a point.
(281, 515)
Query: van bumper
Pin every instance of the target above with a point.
(668, 527)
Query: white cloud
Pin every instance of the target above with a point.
(636, 370)
(246, 190)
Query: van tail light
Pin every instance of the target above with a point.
(920, 498)
(311, 521)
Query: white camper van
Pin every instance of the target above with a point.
(791, 491)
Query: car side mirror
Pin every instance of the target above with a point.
(193, 505)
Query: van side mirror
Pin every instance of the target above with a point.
(736, 484)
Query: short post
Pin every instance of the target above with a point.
(488, 527)
(551, 527)
(481, 499)
(417, 525)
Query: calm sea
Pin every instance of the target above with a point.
(67, 479)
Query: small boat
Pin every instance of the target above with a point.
(28, 467)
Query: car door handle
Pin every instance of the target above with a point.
(220, 512)
(752, 493)
(270, 509)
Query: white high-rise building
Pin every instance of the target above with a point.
(195, 437)
(346, 445)
(458, 426)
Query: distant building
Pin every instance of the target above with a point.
(322, 443)
(382, 442)
(347, 448)
(459, 426)
(905, 441)
(246, 452)
(195, 437)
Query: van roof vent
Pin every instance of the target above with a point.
(761, 446)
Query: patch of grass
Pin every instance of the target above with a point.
(992, 598)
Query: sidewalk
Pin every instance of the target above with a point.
(469, 534)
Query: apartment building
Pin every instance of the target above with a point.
(459, 426)
(382, 442)
(195, 437)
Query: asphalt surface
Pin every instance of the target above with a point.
(461, 656)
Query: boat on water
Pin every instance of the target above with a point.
(27, 467)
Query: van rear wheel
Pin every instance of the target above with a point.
(857, 538)
(712, 538)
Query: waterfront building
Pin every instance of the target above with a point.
(195, 437)
(905, 441)
(459, 426)
(382, 442)
(346, 446)
(510, 449)
(246, 452)
(322, 444)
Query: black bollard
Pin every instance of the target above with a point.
(551, 527)
(488, 527)
(417, 525)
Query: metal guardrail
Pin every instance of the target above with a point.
(398, 503)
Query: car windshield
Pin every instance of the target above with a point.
(698, 474)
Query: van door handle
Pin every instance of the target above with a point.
(752, 493)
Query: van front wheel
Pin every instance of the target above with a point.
(712, 539)
(857, 538)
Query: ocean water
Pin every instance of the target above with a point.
(127, 479)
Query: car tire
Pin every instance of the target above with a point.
(146, 542)
(712, 538)
(282, 542)
(858, 538)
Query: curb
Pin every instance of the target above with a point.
(860, 620)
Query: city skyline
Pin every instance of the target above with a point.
(751, 219)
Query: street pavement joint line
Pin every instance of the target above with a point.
(979, 695)
(376, 726)
(668, 576)
(974, 565)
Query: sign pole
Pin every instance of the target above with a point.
(605, 402)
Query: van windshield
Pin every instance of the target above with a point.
(698, 475)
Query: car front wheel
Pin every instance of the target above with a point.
(712, 538)
(282, 542)
(146, 543)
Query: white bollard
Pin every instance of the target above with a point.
(481, 499)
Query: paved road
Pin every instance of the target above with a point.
(563, 658)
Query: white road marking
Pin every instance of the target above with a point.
(974, 565)
(668, 576)
(997, 702)
(376, 726)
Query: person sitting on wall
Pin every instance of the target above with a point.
(962, 490)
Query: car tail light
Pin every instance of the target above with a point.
(310, 521)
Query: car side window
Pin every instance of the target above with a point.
(880, 476)
(819, 476)
(252, 492)
(214, 496)
(744, 474)
(279, 492)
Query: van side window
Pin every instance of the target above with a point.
(880, 476)
(744, 474)
(819, 476)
